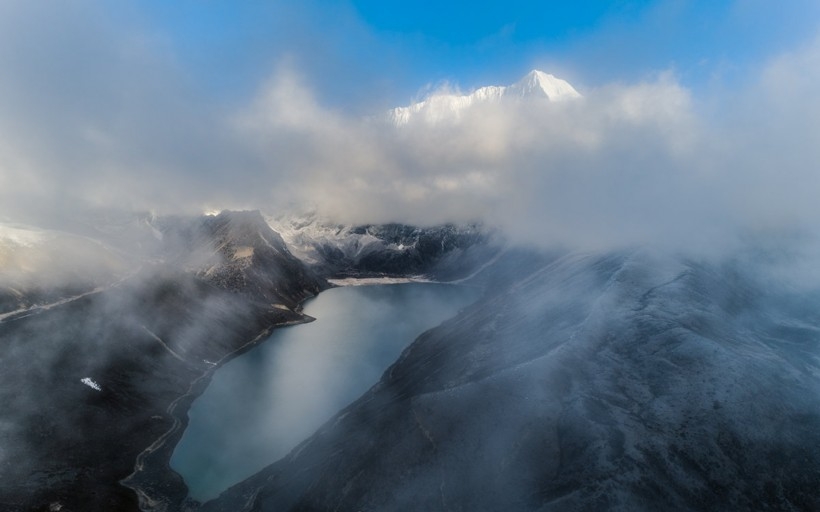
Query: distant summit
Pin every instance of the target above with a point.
(439, 107)
(538, 83)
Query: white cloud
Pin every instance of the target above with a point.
(568, 172)
(99, 114)
(628, 164)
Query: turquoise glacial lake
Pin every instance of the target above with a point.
(262, 404)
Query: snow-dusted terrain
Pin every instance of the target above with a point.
(444, 252)
(448, 106)
(617, 381)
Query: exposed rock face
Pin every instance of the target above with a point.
(615, 382)
(87, 385)
(238, 251)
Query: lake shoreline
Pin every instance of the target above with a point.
(156, 485)
(358, 355)
(377, 281)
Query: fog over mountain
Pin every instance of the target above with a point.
(645, 246)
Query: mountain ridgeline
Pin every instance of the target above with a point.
(446, 253)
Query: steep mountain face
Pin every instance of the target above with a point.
(89, 383)
(443, 253)
(239, 251)
(628, 381)
(440, 107)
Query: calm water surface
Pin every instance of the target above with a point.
(260, 405)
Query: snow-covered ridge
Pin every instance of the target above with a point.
(307, 234)
(439, 107)
(383, 250)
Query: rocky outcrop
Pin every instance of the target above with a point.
(239, 252)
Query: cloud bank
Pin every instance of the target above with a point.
(628, 164)
(98, 113)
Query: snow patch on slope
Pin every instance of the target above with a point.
(88, 381)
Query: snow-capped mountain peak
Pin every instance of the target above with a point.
(538, 83)
(448, 106)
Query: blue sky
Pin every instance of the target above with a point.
(371, 52)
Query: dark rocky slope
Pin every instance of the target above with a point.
(618, 382)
